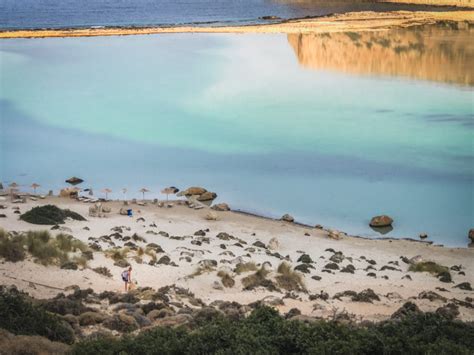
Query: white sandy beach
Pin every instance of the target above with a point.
(180, 220)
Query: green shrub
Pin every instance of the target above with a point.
(258, 279)
(288, 279)
(266, 332)
(245, 267)
(49, 214)
(68, 243)
(20, 316)
(117, 254)
(11, 249)
(433, 268)
(45, 253)
(226, 279)
(102, 270)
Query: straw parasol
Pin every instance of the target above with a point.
(106, 191)
(74, 180)
(169, 191)
(143, 190)
(34, 186)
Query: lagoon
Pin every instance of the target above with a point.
(310, 125)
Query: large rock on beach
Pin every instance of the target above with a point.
(192, 191)
(471, 235)
(381, 221)
(207, 196)
(68, 192)
(287, 218)
(221, 207)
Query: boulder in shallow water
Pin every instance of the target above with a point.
(381, 221)
(287, 218)
(471, 235)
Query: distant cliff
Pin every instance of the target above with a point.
(427, 52)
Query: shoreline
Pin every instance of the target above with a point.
(352, 21)
(327, 229)
(269, 218)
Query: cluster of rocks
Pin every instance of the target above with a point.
(199, 194)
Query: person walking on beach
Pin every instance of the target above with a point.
(127, 278)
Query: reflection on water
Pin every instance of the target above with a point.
(443, 53)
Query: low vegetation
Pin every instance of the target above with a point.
(245, 267)
(288, 279)
(117, 254)
(202, 269)
(428, 266)
(49, 214)
(440, 271)
(20, 316)
(226, 279)
(44, 248)
(266, 332)
(258, 279)
(11, 249)
(102, 270)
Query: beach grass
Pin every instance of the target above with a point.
(289, 279)
(245, 267)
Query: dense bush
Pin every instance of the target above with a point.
(49, 214)
(266, 332)
(20, 316)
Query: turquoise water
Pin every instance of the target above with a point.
(238, 114)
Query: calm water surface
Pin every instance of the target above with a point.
(266, 121)
(85, 13)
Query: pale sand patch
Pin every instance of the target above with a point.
(183, 221)
(461, 3)
(355, 21)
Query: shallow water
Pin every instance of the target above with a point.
(260, 119)
(85, 13)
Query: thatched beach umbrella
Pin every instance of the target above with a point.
(74, 180)
(34, 186)
(106, 191)
(169, 191)
(143, 190)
